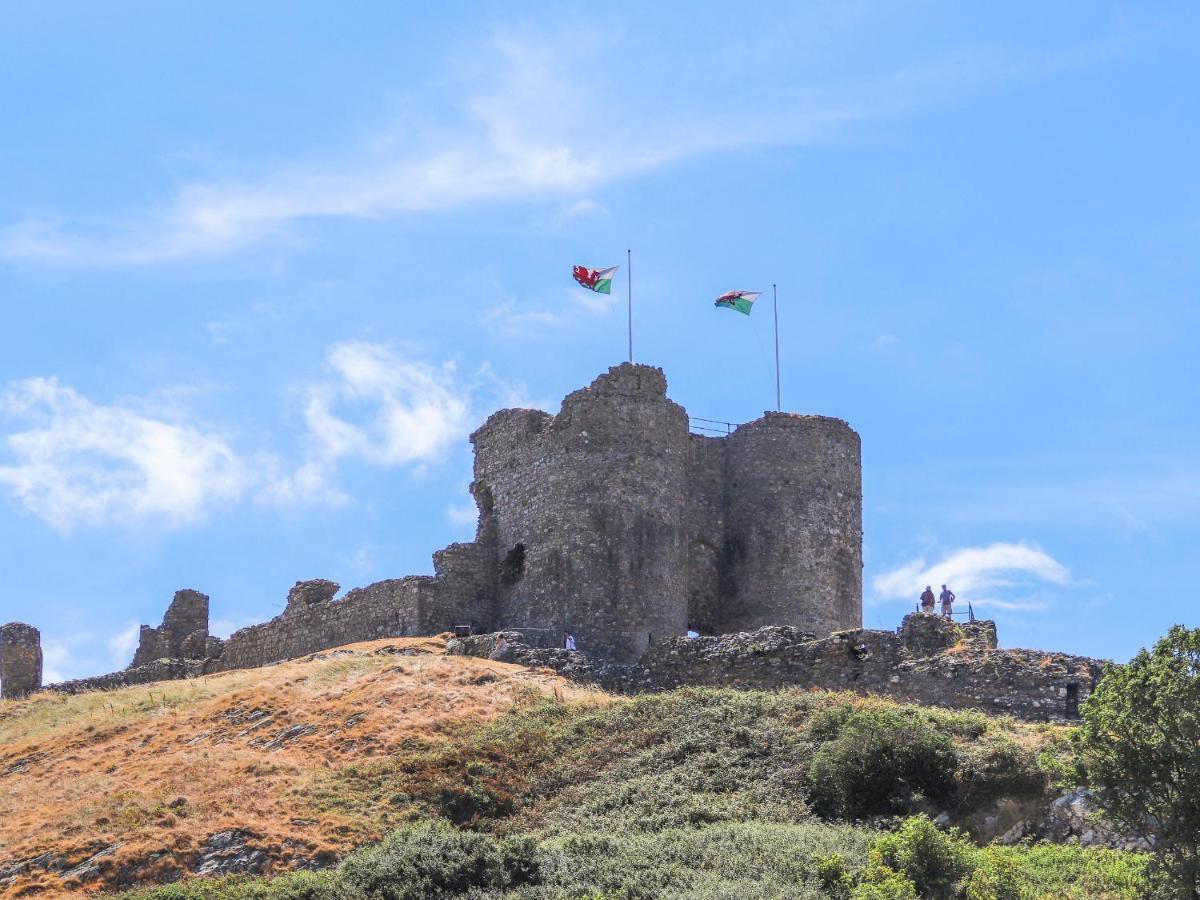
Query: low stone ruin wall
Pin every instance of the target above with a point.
(400, 607)
(156, 670)
(928, 661)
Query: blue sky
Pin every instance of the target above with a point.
(262, 271)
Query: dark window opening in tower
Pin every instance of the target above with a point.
(1072, 700)
(512, 569)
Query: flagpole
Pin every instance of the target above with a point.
(629, 297)
(775, 296)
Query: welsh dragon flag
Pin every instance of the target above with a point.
(742, 301)
(598, 280)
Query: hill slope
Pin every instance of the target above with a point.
(137, 780)
(493, 779)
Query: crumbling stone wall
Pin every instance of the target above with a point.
(314, 621)
(589, 513)
(148, 673)
(20, 660)
(793, 533)
(183, 633)
(928, 661)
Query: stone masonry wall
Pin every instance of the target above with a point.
(961, 670)
(392, 608)
(183, 633)
(704, 514)
(588, 513)
(927, 661)
(792, 553)
(20, 660)
(155, 670)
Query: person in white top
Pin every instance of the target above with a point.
(569, 642)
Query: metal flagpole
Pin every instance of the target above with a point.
(775, 296)
(629, 297)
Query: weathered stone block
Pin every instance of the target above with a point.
(20, 660)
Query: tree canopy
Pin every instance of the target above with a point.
(1139, 746)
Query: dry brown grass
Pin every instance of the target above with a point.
(97, 769)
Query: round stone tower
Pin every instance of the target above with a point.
(20, 660)
(585, 513)
(793, 531)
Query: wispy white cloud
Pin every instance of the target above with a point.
(122, 644)
(1001, 575)
(78, 462)
(513, 318)
(78, 654)
(374, 407)
(507, 319)
(464, 513)
(525, 129)
(57, 659)
(224, 626)
(72, 461)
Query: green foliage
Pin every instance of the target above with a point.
(699, 757)
(884, 760)
(811, 861)
(1059, 871)
(1138, 747)
(697, 794)
(834, 876)
(933, 860)
(1057, 760)
(431, 860)
(997, 877)
(887, 885)
(297, 886)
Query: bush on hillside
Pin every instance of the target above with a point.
(888, 886)
(935, 861)
(431, 860)
(880, 761)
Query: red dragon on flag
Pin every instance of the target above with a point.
(598, 280)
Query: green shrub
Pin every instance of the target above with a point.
(887, 885)
(880, 760)
(431, 860)
(834, 876)
(296, 886)
(997, 877)
(933, 860)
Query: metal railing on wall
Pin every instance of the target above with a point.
(711, 426)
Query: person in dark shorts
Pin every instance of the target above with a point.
(927, 600)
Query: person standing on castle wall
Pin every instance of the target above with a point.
(947, 603)
(569, 642)
(927, 600)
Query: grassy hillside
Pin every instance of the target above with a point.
(489, 779)
(157, 769)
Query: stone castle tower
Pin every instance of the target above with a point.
(612, 520)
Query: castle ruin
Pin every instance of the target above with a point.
(613, 521)
(20, 660)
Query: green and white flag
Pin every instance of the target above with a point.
(598, 280)
(742, 301)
